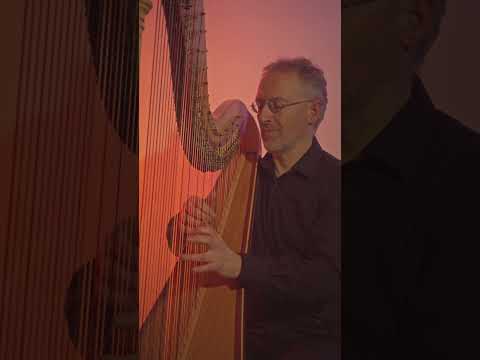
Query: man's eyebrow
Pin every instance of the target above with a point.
(275, 98)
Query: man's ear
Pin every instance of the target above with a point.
(317, 110)
(416, 24)
(408, 27)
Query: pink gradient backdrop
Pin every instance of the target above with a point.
(244, 36)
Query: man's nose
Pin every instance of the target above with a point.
(265, 114)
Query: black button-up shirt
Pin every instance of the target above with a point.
(410, 215)
(291, 273)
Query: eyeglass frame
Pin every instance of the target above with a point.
(279, 108)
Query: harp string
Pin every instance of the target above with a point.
(178, 300)
(98, 269)
(65, 238)
(6, 259)
(162, 132)
(151, 168)
(152, 144)
(58, 265)
(21, 302)
(172, 162)
(131, 248)
(119, 317)
(144, 184)
(66, 114)
(151, 148)
(185, 107)
(132, 261)
(38, 95)
(4, 265)
(113, 280)
(172, 321)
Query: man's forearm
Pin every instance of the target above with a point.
(290, 277)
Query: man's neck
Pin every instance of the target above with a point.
(286, 159)
(360, 126)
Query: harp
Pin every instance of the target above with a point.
(69, 188)
(186, 150)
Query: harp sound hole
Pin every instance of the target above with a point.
(113, 35)
(101, 305)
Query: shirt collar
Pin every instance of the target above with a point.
(404, 144)
(308, 165)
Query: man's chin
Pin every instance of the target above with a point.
(272, 146)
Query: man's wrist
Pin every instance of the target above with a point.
(237, 265)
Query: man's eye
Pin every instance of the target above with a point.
(276, 105)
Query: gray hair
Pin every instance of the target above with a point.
(308, 72)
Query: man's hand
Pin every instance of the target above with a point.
(196, 212)
(219, 257)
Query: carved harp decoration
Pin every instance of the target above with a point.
(186, 150)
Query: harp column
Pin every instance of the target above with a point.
(144, 7)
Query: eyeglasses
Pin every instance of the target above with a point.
(274, 105)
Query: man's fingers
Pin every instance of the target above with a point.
(193, 257)
(199, 238)
(191, 221)
(207, 267)
(206, 230)
(188, 224)
(200, 210)
(203, 257)
(207, 210)
(200, 216)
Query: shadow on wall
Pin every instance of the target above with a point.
(451, 71)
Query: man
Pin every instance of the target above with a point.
(410, 182)
(291, 273)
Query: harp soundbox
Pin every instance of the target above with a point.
(186, 150)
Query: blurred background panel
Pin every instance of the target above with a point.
(451, 71)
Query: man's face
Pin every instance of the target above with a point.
(281, 131)
(372, 54)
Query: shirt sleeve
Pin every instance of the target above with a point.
(301, 278)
